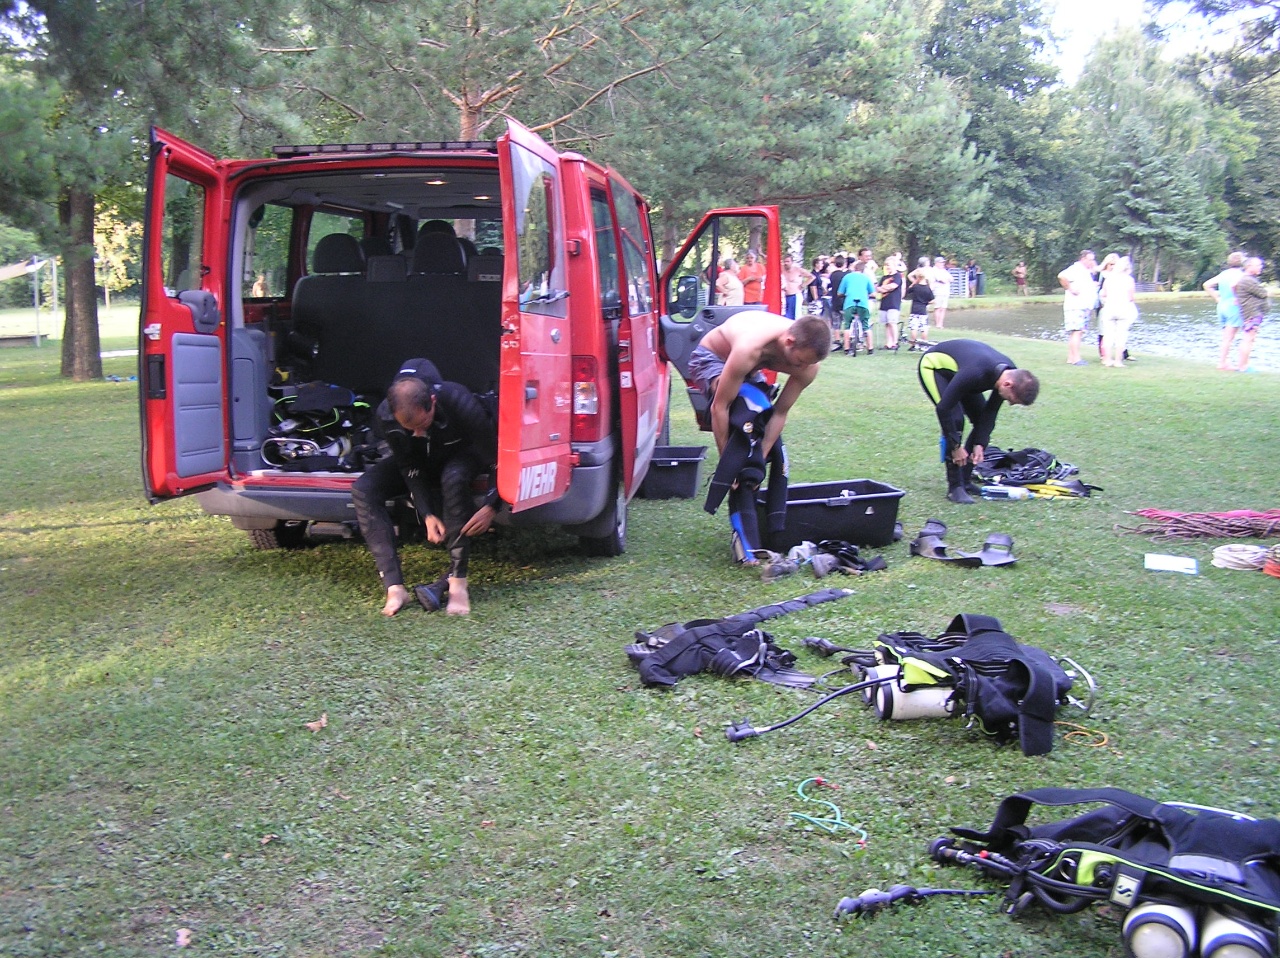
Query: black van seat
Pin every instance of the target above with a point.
(337, 253)
(334, 288)
(455, 323)
(485, 268)
(386, 269)
(437, 253)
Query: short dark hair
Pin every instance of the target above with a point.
(1086, 252)
(408, 394)
(812, 333)
(839, 260)
(1026, 387)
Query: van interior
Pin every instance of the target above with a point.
(342, 277)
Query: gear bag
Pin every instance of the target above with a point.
(1021, 467)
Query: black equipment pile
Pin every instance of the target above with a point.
(974, 669)
(1195, 880)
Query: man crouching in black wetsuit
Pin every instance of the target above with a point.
(956, 375)
(441, 438)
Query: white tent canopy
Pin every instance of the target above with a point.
(21, 269)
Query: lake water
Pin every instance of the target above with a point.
(1187, 328)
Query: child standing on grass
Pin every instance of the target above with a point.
(921, 295)
(1251, 294)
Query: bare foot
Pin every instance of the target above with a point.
(397, 596)
(459, 600)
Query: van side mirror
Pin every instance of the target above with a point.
(687, 296)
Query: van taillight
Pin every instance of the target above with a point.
(587, 425)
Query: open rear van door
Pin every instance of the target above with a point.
(688, 286)
(535, 399)
(182, 368)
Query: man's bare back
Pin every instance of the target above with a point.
(754, 338)
(752, 341)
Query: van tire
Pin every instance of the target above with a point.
(614, 543)
(283, 535)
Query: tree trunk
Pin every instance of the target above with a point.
(81, 349)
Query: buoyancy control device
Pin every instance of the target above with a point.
(974, 670)
(1194, 880)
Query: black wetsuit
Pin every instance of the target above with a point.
(956, 375)
(436, 470)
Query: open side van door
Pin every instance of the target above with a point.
(688, 287)
(535, 378)
(182, 342)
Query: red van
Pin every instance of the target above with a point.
(281, 295)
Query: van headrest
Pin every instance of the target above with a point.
(337, 253)
(437, 253)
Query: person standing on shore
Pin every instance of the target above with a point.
(1020, 278)
(1119, 310)
(940, 283)
(1223, 290)
(752, 273)
(1251, 295)
(1077, 306)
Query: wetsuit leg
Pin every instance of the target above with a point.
(369, 495)
(742, 517)
(459, 505)
(934, 382)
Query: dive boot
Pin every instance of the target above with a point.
(971, 487)
(431, 597)
(955, 486)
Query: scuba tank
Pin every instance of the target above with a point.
(1005, 492)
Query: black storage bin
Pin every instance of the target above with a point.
(860, 511)
(675, 472)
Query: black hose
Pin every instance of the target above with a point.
(744, 729)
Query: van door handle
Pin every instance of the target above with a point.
(530, 393)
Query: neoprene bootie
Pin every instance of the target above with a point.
(955, 485)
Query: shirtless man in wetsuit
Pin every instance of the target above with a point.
(736, 352)
(747, 343)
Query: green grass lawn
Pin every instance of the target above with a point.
(502, 785)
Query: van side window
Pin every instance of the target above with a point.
(606, 255)
(182, 249)
(542, 287)
(635, 252)
(266, 260)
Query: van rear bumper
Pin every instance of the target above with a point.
(591, 490)
(260, 508)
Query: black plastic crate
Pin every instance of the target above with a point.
(860, 511)
(675, 472)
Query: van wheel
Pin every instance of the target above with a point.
(615, 542)
(283, 535)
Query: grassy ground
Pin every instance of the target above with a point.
(502, 785)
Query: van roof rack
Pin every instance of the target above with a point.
(427, 146)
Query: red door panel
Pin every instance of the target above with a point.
(182, 342)
(535, 398)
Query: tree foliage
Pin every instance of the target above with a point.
(938, 128)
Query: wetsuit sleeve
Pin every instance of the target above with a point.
(951, 406)
(980, 435)
(472, 420)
